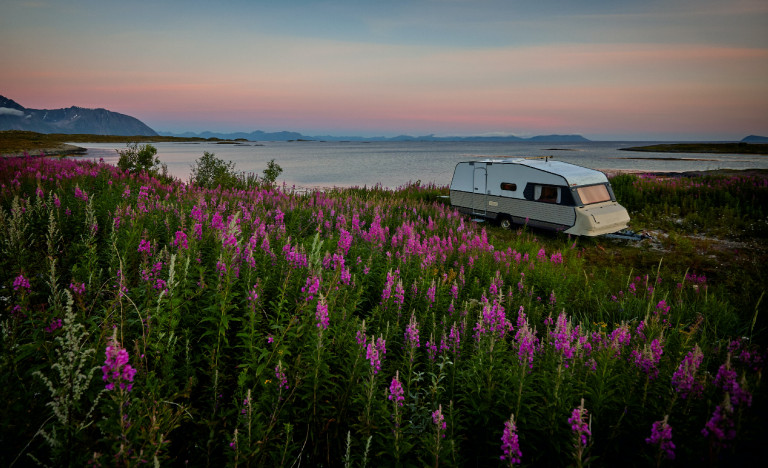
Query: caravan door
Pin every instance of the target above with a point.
(480, 195)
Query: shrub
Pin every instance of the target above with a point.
(137, 158)
(210, 172)
(271, 172)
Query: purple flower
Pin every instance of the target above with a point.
(619, 338)
(510, 446)
(720, 426)
(542, 255)
(396, 391)
(647, 359)
(360, 336)
(578, 424)
(431, 294)
(145, 246)
(221, 267)
(526, 340)
(295, 257)
(454, 339)
(439, 419)
(116, 369)
(282, 380)
(493, 319)
(311, 287)
(181, 240)
(662, 307)
(562, 337)
(726, 380)
(253, 294)
(345, 241)
(412, 333)
(80, 194)
(399, 294)
(21, 282)
(684, 378)
(431, 348)
(322, 314)
(661, 435)
(375, 352)
(387, 292)
(77, 288)
(55, 324)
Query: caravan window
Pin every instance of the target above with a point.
(546, 193)
(508, 186)
(593, 194)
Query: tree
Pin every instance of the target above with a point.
(210, 172)
(271, 172)
(137, 158)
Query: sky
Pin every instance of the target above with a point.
(605, 69)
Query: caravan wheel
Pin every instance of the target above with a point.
(506, 223)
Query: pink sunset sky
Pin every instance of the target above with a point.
(608, 70)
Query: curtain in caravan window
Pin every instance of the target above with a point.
(547, 194)
(593, 194)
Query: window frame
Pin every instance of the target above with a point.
(602, 199)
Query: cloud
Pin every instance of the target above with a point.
(9, 111)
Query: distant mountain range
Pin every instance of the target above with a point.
(259, 135)
(71, 120)
(80, 120)
(755, 139)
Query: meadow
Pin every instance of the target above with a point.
(148, 321)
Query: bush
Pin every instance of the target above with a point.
(137, 158)
(210, 172)
(271, 172)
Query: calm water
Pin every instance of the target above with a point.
(392, 164)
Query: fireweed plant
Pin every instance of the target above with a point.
(272, 327)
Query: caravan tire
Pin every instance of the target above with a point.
(506, 223)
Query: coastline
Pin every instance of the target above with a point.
(62, 149)
(704, 148)
(710, 172)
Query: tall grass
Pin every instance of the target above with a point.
(351, 326)
(727, 205)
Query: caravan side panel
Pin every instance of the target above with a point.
(462, 199)
(559, 215)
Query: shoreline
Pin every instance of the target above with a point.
(61, 150)
(703, 148)
(752, 171)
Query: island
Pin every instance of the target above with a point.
(719, 148)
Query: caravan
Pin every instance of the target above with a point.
(538, 192)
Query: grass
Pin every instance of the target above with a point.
(157, 322)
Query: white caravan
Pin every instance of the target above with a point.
(540, 193)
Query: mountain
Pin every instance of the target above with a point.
(755, 139)
(14, 116)
(259, 135)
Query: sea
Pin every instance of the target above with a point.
(321, 164)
